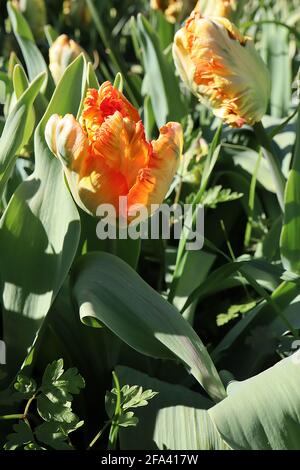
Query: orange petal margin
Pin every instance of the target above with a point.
(153, 181)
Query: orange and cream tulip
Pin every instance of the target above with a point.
(61, 53)
(106, 155)
(223, 69)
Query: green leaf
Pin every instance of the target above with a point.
(53, 407)
(131, 397)
(22, 435)
(33, 57)
(118, 83)
(17, 126)
(275, 49)
(262, 413)
(51, 34)
(20, 83)
(216, 195)
(55, 435)
(162, 83)
(290, 242)
(35, 262)
(176, 419)
(140, 316)
(53, 372)
(128, 419)
(233, 312)
(57, 389)
(68, 383)
(135, 397)
(92, 81)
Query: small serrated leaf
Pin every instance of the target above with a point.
(53, 372)
(216, 195)
(59, 410)
(53, 435)
(22, 435)
(128, 419)
(71, 381)
(58, 385)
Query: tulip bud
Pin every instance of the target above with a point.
(61, 53)
(106, 155)
(223, 69)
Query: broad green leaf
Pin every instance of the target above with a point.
(263, 413)
(275, 50)
(20, 83)
(17, 126)
(109, 292)
(175, 419)
(39, 233)
(290, 241)
(33, 57)
(162, 84)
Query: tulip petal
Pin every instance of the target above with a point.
(154, 181)
(100, 184)
(121, 143)
(71, 142)
(98, 105)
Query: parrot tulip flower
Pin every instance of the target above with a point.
(106, 155)
(223, 69)
(61, 53)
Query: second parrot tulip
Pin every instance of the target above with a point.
(223, 69)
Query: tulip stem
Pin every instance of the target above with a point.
(269, 153)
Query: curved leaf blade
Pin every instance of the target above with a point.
(263, 412)
(109, 292)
